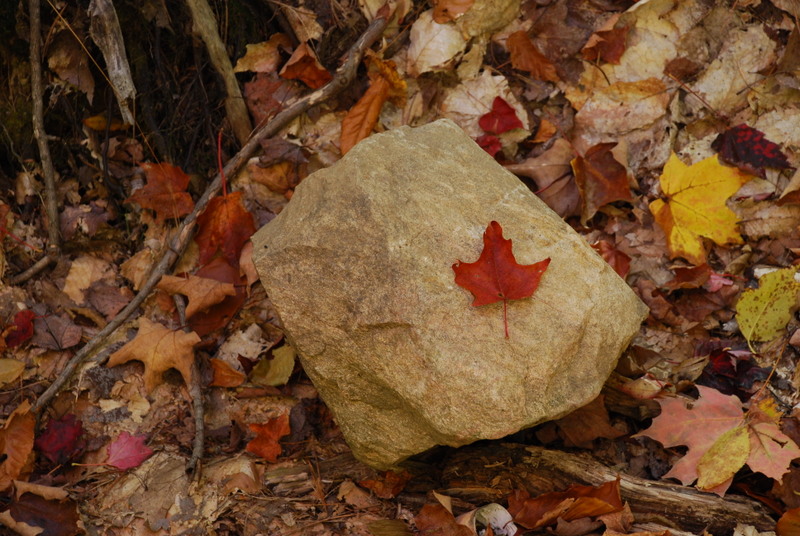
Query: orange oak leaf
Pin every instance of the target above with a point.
(694, 206)
(201, 291)
(165, 192)
(16, 444)
(385, 84)
(160, 349)
(525, 57)
(600, 178)
(266, 443)
(223, 228)
(496, 275)
(304, 66)
(224, 375)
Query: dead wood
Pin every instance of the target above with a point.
(343, 77)
(488, 473)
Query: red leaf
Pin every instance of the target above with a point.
(496, 275)
(489, 143)
(525, 57)
(165, 192)
(22, 328)
(266, 443)
(501, 118)
(600, 179)
(747, 149)
(61, 440)
(575, 503)
(619, 261)
(388, 485)
(128, 451)
(224, 227)
(435, 520)
(606, 45)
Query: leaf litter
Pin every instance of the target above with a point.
(605, 109)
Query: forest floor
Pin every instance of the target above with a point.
(146, 385)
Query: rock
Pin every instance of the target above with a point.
(359, 267)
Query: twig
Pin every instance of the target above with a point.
(50, 201)
(344, 76)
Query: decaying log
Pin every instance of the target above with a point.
(488, 472)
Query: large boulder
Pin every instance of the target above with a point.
(359, 267)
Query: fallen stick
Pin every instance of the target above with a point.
(343, 77)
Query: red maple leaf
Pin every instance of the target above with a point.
(22, 328)
(489, 143)
(747, 149)
(165, 192)
(61, 439)
(501, 118)
(224, 227)
(128, 451)
(266, 443)
(496, 275)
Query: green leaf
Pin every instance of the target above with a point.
(763, 313)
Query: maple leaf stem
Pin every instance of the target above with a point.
(505, 316)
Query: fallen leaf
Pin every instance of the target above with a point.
(388, 485)
(432, 46)
(496, 275)
(224, 227)
(267, 94)
(165, 192)
(435, 520)
(43, 516)
(749, 150)
(574, 503)
(55, 332)
(220, 314)
(304, 66)
(525, 57)
(490, 143)
(16, 444)
(586, 424)
(68, 59)
(160, 349)
(789, 523)
(263, 57)
(61, 440)
(687, 278)
(694, 206)
(275, 371)
(224, 375)
(726, 456)
(600, 178)
(618, 260)
(128, 451)
(606, 45)
(501, 118)
(449, 10)
(10, 370)
(201, 291)
(21, 329)
(763, 313)
(266, 443)
(385, 83)
(771, 451)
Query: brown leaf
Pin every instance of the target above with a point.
(304, 66)
(223, 227)
(586, 424)
(449, 10)
(49, 517)
(435, 520)
(165, 192)
(55, 332)
(618, 260)
(600, 179)
(201, 291)
(16, 444)
(224, 375)
(575, 503)
(267, 435)
(388, 485)
(266, 95)
(606, 45)
(525, 57)
(160, 349)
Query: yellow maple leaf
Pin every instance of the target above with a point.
(695, 206)
(160, 349)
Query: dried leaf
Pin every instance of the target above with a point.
(304, 66)
(165, 192)
(21, 329)
(433, 46)
(525, 57)
(16, 444)
(224, 375)
(61, 440)
(160, 349)
(601, 179)
(361, 118)
(201, 291)
(266, 443)
(263, 57)
(435, 520)
(128, 451)
(606, 45)
(223, 228)
(575, 503)
(388, 485)
(749, 150)
(449, 10)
